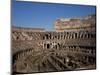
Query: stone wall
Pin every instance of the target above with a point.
(56, 49)
(76, 24)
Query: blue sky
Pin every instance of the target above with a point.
(43, 15)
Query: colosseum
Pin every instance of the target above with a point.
(37, 50)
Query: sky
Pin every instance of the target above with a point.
(43, 15)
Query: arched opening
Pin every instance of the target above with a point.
(75, 35)
(46, 35)
(48, 46)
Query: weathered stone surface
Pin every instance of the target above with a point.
(53, 51)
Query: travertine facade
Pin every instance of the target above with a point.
(76, 24)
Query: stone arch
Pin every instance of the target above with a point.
(48, 46)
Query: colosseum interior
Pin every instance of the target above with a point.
(37, 50)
